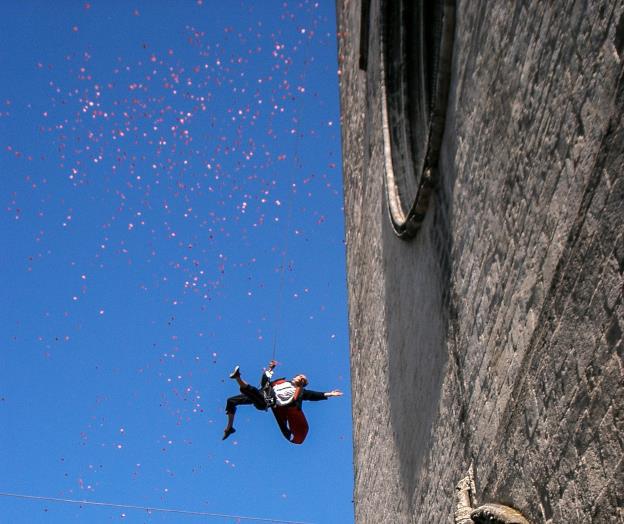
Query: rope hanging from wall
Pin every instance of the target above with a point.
(148, 509)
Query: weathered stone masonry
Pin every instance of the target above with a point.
(494, 337)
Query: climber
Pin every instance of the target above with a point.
(277, 395)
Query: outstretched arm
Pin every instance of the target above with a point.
(334, 393)
(319, 395)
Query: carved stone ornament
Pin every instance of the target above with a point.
(490, 513)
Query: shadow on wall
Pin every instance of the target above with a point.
(418, 271)
(417, 305)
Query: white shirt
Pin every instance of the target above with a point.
(284, 393)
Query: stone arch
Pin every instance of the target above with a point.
(416, 52)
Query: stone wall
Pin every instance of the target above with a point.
(495, 336)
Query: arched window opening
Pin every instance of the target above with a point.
(416, 52)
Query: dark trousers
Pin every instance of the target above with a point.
(249, 395)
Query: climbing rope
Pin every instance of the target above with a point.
(280, 292)
(150, 509)
(291, 196)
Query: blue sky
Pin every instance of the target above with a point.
(172, 206)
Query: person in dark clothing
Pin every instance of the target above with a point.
(279, 392)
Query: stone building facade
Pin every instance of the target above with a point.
(491, 340)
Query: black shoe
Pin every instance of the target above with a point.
(228, 432)
(235, 373)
